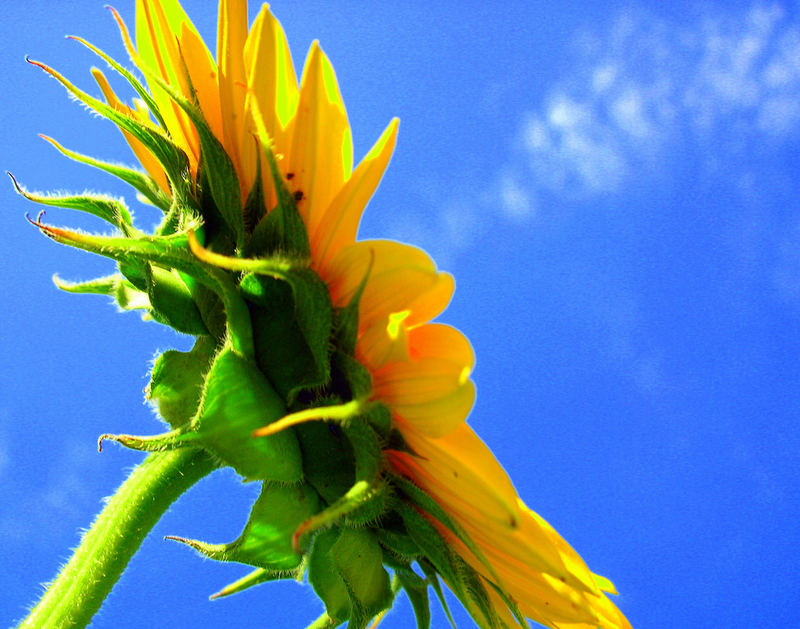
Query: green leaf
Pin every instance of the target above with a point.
(176, 382)
(238, 399)
(266, 541)
(291, 329)
(139, 180)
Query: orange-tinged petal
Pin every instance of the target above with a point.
(422, 380)
(339, 223)
(402, 277)
(384, 342)
(203, 73)
(231, 36)
(435, 417)
(438, 340)
(321, 156)
(146, 159)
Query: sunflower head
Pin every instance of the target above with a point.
(315, 370)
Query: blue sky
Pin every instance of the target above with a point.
(613, 186)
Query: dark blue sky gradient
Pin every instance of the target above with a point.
(614, 188)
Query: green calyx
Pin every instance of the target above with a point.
(271, 387)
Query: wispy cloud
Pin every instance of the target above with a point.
(648, 88)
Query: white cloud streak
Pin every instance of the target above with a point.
(647, 87)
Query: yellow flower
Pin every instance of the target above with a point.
(249, 97)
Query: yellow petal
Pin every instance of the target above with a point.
(271, 79)
(203, 73)
(157, 29)
(543, 598)
(438, 416)
(321, 155)
(232, 78)
(402, 277)
(339, 223)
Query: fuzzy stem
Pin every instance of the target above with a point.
(82, 585)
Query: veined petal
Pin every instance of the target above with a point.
(339, 223)
(402, 277)
(465, 464)
(543, 598)
(321, 156)
(157, 30)
(572, 560)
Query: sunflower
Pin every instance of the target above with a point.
(300, 317)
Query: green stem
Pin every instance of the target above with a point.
(82, 585)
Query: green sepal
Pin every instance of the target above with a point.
(464, 581)
(141, 90)
(254, 209)
(173, 440)
(433, 580)
(172, 159)
(358, 558)
(143, 183)
(425, 502)
(366, 500)
(327, 459)
(324, 576)
(291, 328)
(176, 381)
(417, 590)
(172, 303)
(356, 376)
(238, 399)
(257, 577)
(102, 206)
(282, 230)
(99, 286)
(266, 541)
(394, 538)
(218, 169)
(128, 297)
(345, 323)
